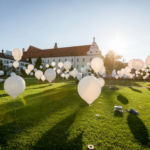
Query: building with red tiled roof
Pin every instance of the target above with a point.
(77, 55)
(7, 60)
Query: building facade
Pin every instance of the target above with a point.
(7, 60)
(77, 55)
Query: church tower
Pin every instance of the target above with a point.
(94, 49)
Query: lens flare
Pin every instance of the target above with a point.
(23, 100)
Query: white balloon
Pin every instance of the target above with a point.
(67, 76)
(83, 69)
(97, 64)
(1, 72)
(73, 73)
(17, 54)
(35, 70)
(50, 75)
(53, 64)
(89, 89)
(14, 85)
(43, 78)
(102, 82)
(58, 71)
(47, 65)
(38, 74)
(10, 64)
(15, 64)
(102, 70)
(30, 67)
(67, 65)
(116, 76)
(62, 75)
(60, 64)
(27, 71)
(79, 76)
(41, 67)
(136, 64)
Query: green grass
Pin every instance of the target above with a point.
(56, 118)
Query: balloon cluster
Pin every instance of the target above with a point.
(136, 68)
(15, 85)
(17, 55)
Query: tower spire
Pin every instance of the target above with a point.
(93, 39)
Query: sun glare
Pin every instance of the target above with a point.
(118, 43)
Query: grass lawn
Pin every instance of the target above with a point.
(56, 118)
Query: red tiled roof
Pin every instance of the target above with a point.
(2, 55)
(5, 56)
(34, 52)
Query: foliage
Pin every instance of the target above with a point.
(38, 63)
(111, 62)
(23, 73)
(30, 61)
(1, 65)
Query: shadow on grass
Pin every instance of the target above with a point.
(138, 129)
(3, 95)
(148, 89)
(38, 109)
(135, 90)
(57, 137)
(122, 99)
(118, 114)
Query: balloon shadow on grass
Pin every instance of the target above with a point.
(57, 137)
(118, 114)
(148, 89)
(122, 99)
(38, 109)
(135, 90)
(3, 95)
(138, 129)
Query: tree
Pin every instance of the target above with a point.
(111, 62)
(38, 63)
(1, 65)
(23, 73)
(30, 61)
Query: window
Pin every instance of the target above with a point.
(83, 59)
(77, 59)
(65, 59)
(72, 60)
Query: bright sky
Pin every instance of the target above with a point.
(122, 25)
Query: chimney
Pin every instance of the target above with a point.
(55, 46)
(23, 50)
(2, 51)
